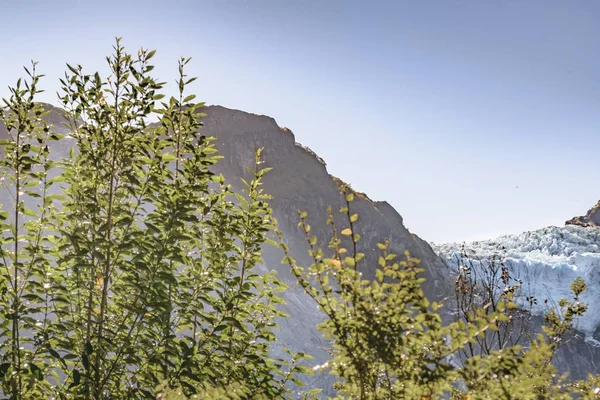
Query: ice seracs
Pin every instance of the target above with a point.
(546, 261)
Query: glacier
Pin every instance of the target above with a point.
(545, 262)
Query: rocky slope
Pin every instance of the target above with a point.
(299, 180)
(592, 218)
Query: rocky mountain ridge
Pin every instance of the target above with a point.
(300, 181)
(591, 218)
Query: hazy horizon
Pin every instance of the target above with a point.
(471, 119)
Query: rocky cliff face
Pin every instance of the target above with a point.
(299, 181)
(592, 218)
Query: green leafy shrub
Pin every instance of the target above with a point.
(388, 340)
(129, 264)
(127, 270)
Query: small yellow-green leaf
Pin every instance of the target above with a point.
(168, 157)
(29, 212)
(349, 261)
(189, 98)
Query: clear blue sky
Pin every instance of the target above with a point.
(442, 108)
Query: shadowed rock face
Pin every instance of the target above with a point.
(299, 181)
(592, 218)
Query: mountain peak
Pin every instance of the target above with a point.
(592, 218)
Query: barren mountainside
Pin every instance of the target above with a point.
(300, 181)
(592, 218)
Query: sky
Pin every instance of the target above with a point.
(471, 118)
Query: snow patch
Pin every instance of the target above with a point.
(546, 261)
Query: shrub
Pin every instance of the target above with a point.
(388, 340)
(129, 264)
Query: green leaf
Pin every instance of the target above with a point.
(29, 212)
(168, 157)
(189, 98)
(76, 377)
(85, 361)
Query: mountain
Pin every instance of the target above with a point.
(299, 181)
(546, 260)
(592, 218)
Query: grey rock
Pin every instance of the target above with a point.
(300, 181)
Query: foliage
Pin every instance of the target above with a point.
(479, 285)
(526, 373)
(129, 264)
(388, 340)
(128, 270)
